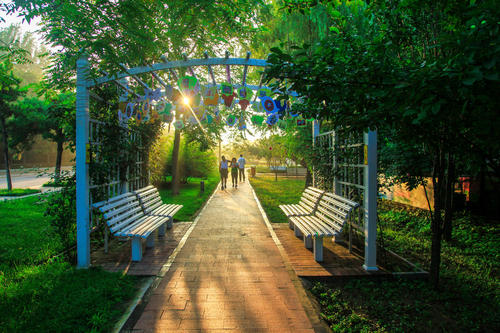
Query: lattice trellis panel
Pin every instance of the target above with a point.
(115, 180)
(343, 174)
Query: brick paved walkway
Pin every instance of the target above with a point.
(228, 277)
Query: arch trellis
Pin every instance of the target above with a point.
(86, 128)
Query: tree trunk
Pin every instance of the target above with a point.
(448, 212)
(57, 171)
(175, 163)
(436, 223)
(6, 153)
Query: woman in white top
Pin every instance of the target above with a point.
(223, 172)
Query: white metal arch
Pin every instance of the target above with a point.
(83, 85)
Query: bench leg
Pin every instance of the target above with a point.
(150, 241)
(290, 224)
(297, 231)
(318, 249)
(308, 242)
(170, 223)
(136, 249)
(161, 229)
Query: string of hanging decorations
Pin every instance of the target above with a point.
(191, 103)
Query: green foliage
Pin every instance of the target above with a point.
(28, 57)
(29, 235)
(193, 161)
(136, 32)
(273, 193)
(472, 258)
(18, 192)
(190, 196)
(58, 298)
(53, 296)
(61, 209)
(402, 305)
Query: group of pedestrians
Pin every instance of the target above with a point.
(237, 168)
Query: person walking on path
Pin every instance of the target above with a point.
(223, 172)
(241, 163)
(234, 172)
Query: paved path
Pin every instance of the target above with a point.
(228, 277)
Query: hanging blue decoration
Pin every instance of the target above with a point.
(272, 119)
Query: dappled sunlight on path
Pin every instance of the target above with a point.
(228, 276)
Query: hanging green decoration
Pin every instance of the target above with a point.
(231, 120)
(187, 83)
(179, 124)
(257, 120)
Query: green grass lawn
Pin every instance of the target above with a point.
(38, 294)
(469, 298)
(17, 192)
(273, 193)
(190, 196)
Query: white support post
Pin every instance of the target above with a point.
(318, 249)
(150, 240)
(297, 231)
(162, 229)
(308, 242)
(82, 168)
(370, 201)
(315, 133)
(136, 249)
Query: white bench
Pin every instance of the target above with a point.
(126, 217)
(306, 206)
(328, 220)
(153, 205)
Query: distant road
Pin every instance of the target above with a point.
(28, 178)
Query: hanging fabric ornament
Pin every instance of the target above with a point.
(241, 125)
(166, 110)
(268, 104)
(301, 121)
(231, 120)
(272, 119)
(122, 114)
(187, 84)
(257, 120)
(209, 119)
(168, 118)
(154, 115)
(245, 95)
(146, 106)
(227, 93)
(210, 96)
(263, 92)
(257, 107)
(217, 115)
(169, 92)
(196, 100)
(138, 116)
(179, 124)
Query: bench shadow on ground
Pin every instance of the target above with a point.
(337, 261)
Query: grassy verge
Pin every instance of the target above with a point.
(273, 193)
(38, 294)
(17, 192)
(468, 300)
(190, 196)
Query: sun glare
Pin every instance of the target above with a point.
(186, 100)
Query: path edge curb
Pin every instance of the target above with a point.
(316, 322)
(152, 282)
